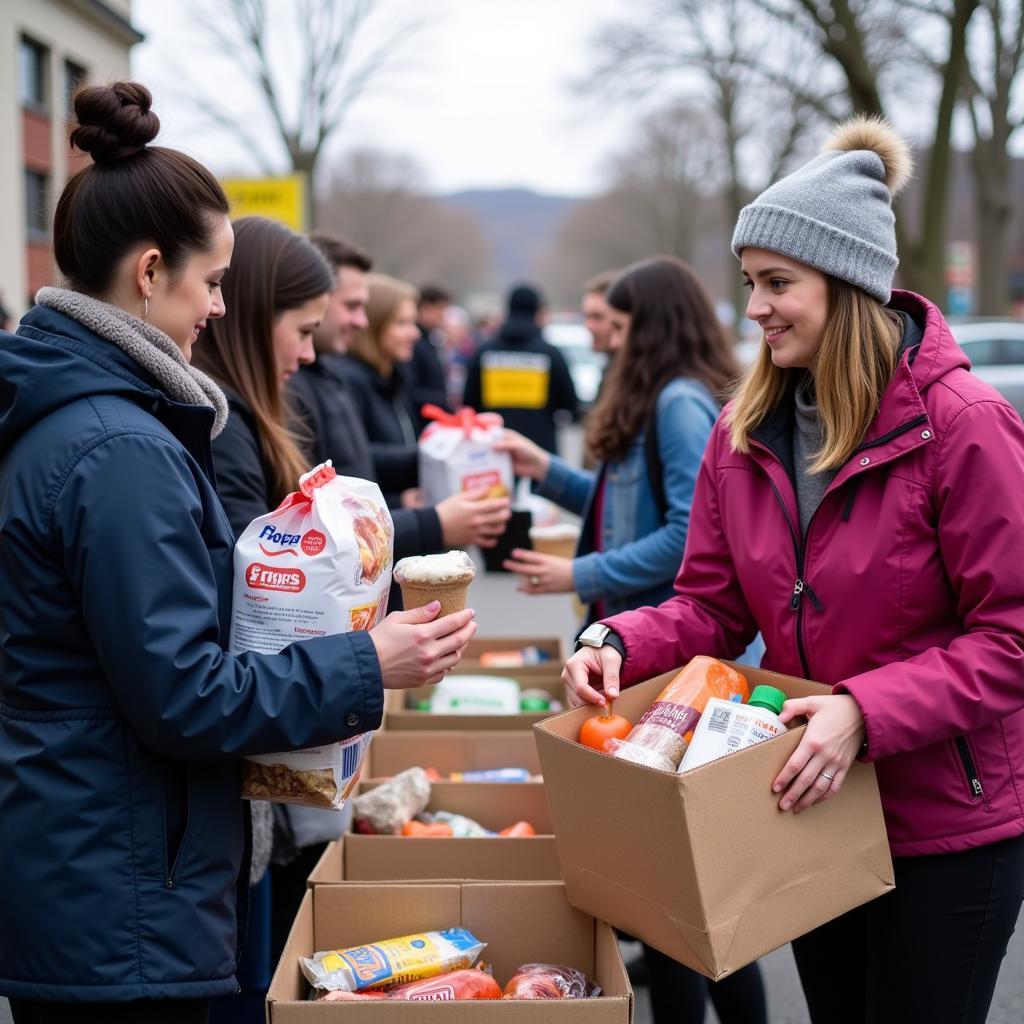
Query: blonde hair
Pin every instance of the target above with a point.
(854, 363)
(386, 295)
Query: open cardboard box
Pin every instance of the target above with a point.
(704, 866)
(398, 716)
(495, 805)
(452, 751)
(549, 645)
(521, 922)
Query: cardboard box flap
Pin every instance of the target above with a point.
(340, 921)
(331, 865)
(452, 751)
(527, 924)
(288, 980)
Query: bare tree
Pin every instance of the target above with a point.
(871, 41)
(764, 98)
(994, 117)
(306, 62)
(379, 201)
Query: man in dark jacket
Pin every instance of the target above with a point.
(424, 373)
(520, 375)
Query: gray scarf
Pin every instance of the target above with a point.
(150, 348)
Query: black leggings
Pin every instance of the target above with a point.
(930, 950)
(679, 995)
(145, 1011)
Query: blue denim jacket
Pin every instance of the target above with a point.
(641, 552)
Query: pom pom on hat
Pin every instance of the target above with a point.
(877, 135)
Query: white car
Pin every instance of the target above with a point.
(586, 366)
(996, 351)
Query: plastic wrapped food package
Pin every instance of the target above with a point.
(319, 564)
(388, 808)
(659, 740)
(549, 981)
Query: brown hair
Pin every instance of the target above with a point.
(386, 295)
(272, 270)
(600, 283)
(852, 368)
(673, 333)
(131, 193)
(340, 253)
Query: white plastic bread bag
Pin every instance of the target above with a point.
(319, 564)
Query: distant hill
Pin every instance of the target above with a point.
(518, 222)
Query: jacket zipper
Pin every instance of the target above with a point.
(800, 585)
(969, 767)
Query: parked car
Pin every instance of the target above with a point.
(586, 366)
(996, 351)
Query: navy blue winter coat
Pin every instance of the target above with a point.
(122, 717)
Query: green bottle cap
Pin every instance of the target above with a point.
(767, 697)
(534, 704)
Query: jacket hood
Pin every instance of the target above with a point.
(518, 330)
(52, 361)
(938, 353)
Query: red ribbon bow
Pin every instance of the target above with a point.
(466, 419)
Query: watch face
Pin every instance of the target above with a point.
(594, 635)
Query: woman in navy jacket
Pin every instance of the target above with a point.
(122, 716)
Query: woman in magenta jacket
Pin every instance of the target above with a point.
(859, 503)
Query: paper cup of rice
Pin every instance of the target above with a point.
(445, 578)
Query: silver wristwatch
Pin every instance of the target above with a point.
(593, 636)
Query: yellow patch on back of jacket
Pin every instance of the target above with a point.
(515, 380)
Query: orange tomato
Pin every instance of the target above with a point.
(596, 731)
(519, 830)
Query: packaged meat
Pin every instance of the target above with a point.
(549, 981)
(387, 808)
(319, 564)
(471, 984)
(456, 453)
(663, 733)
(382, 965)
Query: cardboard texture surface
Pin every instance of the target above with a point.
(550, 645)
(704, 866)
(452, 751)
(521, 922)
(495, 805)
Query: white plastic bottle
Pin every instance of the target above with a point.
(726, 727)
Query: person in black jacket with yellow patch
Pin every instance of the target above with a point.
(520, 376)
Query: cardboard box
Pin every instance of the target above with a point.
(495, 805)
(550, 645)
(399, 717)
(452, 751)
(704, 866)
(520, 922)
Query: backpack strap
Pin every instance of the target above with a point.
(652, 457)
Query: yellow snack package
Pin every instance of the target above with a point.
(391, 962)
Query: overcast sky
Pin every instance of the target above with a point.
(483, 98)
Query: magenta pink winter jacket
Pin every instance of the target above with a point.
(908, 592)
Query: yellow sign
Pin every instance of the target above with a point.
(281, 199)
(515, 380)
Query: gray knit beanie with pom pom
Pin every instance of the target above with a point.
(835, 213)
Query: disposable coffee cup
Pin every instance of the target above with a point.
(561, 539)
(445, 578)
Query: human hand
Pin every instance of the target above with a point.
(540, 573)
(528, 459)
(472, 518)
(412, 497)
(415, 648)
(817, 768)
(590, 665)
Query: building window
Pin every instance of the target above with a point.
(75, 76)
(32, 62)
(35, 205)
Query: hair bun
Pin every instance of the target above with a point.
(114, 121)
(877, 135)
